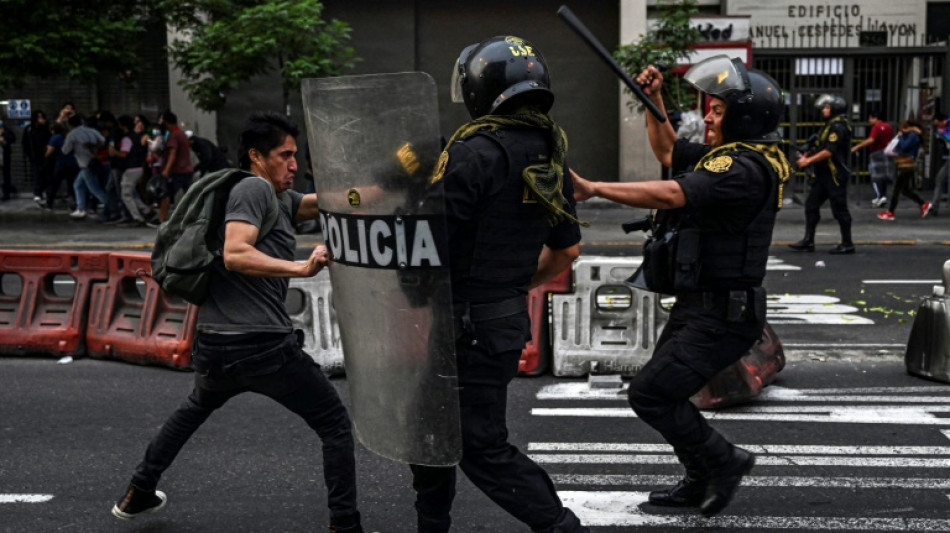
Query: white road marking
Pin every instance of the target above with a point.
(946, 433)
(25, 498)
(773, 393)
(818, 319)
(844, 345)
(762, 481)
(773, 264)
(767, 460)
(902, 281)
(897, 415)
(617, 508)
(878, 390)
(826, 309)
(758, 449)
(814, 299)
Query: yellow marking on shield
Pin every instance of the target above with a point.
(407, 158)
(722, 76)
(353, 197)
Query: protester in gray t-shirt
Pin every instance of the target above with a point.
(245, 339)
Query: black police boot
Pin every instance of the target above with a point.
(689, 491)
(842, 249)
(804, 245)
(567, 523)
(347, 524)
(726, 466)
(433, 524)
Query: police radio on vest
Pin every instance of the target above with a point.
(384, 242)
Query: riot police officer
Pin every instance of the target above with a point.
(510, 228)
(828, 155)
(718, 212)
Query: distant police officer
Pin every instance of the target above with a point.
(828, 155)
(510, 228)
(721, 204)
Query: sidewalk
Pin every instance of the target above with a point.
(24, 225)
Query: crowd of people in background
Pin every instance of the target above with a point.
(125, 170)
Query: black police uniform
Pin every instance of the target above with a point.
(496, 233)
(831, 179)
(732, 200)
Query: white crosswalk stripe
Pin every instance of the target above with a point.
(586, 472)
(25, 498)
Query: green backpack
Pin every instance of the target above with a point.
(188, 244)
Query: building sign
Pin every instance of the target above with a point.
(716, 29)
(828, 24)
(18, 109)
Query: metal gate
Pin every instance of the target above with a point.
(898, 83)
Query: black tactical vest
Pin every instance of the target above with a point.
(499, 250)
(734, 260)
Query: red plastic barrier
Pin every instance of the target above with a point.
(536, 355)
(45, 316)
(132, 319)
(745, 379)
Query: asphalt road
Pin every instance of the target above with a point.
(842, 444)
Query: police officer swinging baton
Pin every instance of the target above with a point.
(571, 20)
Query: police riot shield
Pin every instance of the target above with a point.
(374, 144)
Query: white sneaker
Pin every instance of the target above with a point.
(79, 213)
(880, 201)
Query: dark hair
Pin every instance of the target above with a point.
(940, 116)
(878, 115)
(57, 127)
(126, 122)
(75, 120)
(143, 120)
(105, 116)
(168, 117)
(35, 116)
(263, 132)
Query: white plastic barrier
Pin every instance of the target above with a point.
(605, 326)
(309, 303)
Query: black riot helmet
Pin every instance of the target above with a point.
(836, 101)
(491, 75)
(754, 101)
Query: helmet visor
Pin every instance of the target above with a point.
(718, 76)
(458, 75)
(825, 99)
(456, 87)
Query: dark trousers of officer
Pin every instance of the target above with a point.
(696, 344)
(275, 366)
(507, 476)
(823, 188)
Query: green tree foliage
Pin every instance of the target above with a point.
(667, 44)
(77, 39)
(227, 42)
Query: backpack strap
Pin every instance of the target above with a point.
(273, 212)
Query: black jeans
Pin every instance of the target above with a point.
(696, 344)
(507, 476)
(905, 186)
(275, 366)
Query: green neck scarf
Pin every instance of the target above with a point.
(544, 179)
(771, 152)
